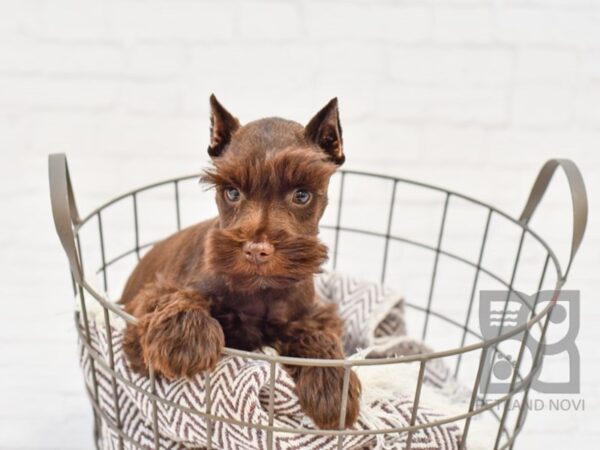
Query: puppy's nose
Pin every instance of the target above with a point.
(258, 252)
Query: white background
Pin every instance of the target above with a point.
(470, 95)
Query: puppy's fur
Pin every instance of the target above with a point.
(245, 278)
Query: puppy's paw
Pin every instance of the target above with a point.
(179, 341)
(133, 350)
(320, 393)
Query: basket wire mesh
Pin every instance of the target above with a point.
(545, 269)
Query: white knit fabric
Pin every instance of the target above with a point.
(239, 389)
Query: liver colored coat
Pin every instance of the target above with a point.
(245, 278)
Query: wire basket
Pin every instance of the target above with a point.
(460, 247)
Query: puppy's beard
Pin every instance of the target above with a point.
(295, 258)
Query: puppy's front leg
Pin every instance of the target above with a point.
(318, 335)
(175, 334)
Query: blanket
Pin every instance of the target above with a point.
(239, 387)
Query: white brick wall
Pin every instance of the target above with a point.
(469, 94)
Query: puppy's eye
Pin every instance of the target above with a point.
(232, 194)
(301, 196)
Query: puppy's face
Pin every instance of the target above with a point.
(271, 178)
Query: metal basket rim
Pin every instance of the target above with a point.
(350, 362)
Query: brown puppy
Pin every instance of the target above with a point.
(245, 278)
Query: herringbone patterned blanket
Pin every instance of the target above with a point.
(239, 389)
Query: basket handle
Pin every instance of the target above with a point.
(578, 197)
(64, 210)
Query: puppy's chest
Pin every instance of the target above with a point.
(250, 321)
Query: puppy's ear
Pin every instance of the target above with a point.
(325, 131)
(222, 127)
